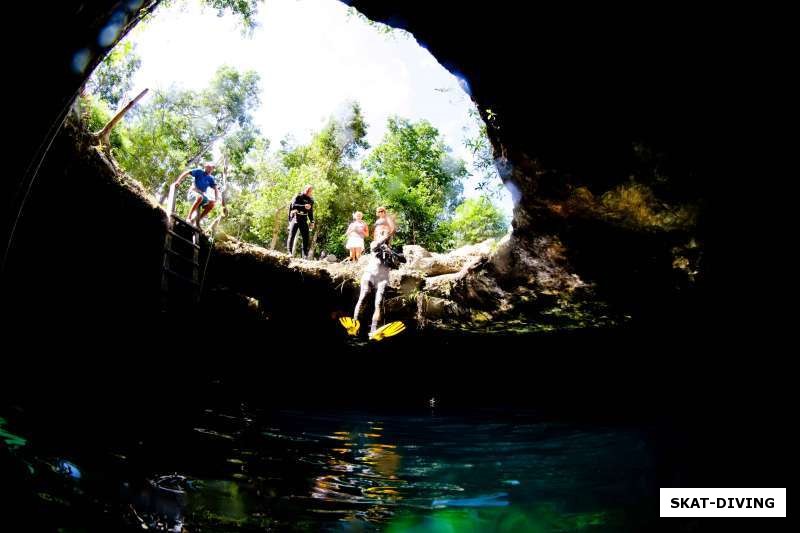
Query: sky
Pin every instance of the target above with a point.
(313, 57)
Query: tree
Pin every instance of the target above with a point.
(476, 220)
(418, 179)
(333, 150)
(113, 78)
(226, 107)
(246, 9)
(325, 163)
(95, 113)
(241, 154)
(483, 162)
(178, 128)
(276, 184)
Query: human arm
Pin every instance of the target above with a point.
(181, 177)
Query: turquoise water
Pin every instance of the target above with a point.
(248, 469)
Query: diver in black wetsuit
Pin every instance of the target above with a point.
(301, 217)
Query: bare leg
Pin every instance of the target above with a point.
(195, 205)
(361, 296)
(376, 316)
(206, 210)
(358, 253)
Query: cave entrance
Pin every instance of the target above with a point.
(295, 94)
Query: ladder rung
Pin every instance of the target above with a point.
(179, 256)
(184, 222)
(181, 277)
(184, 239)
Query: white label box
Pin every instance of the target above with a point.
(711, 503)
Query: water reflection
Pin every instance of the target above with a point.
(361, 473)
(302, 472)
(297, 471)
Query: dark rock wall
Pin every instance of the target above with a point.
(571, 89)
(569, 92)
(51, 50)
(87, 256)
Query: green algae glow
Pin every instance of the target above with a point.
(538, 519)
(11, 440)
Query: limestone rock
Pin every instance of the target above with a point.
(413, 252)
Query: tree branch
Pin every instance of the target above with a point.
(103, 135)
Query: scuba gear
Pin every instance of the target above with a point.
(376, 274)
(350, 325)
(297, 207)
(389, 257)
(389, 330)
(299, 219)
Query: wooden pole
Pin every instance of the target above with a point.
(104, 134)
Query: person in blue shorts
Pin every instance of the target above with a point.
(203, 181)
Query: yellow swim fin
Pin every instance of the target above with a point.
(388, 330)
(350, 325)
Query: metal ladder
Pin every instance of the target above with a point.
(180, 268)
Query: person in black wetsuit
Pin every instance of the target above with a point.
(301, 217)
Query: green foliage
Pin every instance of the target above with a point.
(476, 220)
(417, 179)
(95, 113)
(411, 171)
(413, 174)
(325, 163)
(353, 193)
(483, 163)
(335, 148)
(113, 78)
(163, 139)
(246, 9)
(384, 29)
(266, 208)
(176, 129)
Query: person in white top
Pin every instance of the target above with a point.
(356, 231)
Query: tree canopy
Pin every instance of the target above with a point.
(113, 78)
(476, 220)
(417, 178)
(178, 128)
(411, 171)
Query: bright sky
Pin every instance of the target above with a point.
(313, 58)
